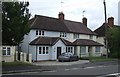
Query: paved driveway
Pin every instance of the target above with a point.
(54, 63)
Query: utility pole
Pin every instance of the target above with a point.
(106, 42)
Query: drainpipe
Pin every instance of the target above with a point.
(36, 54)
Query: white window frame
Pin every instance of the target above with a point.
(70, 49)
(46, 50)
(76, 36)
(97, 49)
(5, 49)
(40, 32)
(63, 34)
(82, 48)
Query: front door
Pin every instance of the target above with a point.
(58, 51)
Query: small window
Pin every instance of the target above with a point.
(76, 36)
(43, 50)
(69, 49)
(40, 32)
(97, 49)
(63, 34)
(82, 50)
(6, 50)
(91, 37)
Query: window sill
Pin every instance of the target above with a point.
(7, 55)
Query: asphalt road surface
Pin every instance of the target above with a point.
(93, 70)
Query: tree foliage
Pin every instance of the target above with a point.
(114, 42)
(15, 16)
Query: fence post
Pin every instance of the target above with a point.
(30, 58)
(21, 56)
(24, 57)
(16, 55)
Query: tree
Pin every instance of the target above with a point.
(15, 16)
(114, 42)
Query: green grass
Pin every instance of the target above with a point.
(102, 58)
(14, 63)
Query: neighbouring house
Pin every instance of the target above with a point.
(49, 37)
(8, 52)
(101, 31)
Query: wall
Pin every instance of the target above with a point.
(119, 13)
(101, 40)
(10, 58)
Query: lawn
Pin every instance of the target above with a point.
(14, 63)
(102, 58)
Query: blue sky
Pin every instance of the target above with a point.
(73, 10)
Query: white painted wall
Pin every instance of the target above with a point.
(54, 49)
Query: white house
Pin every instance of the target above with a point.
(49, 37)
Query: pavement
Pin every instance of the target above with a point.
(55, 63)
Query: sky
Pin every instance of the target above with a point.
(73, 10)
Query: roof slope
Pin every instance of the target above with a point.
(54, 24)
(49, 41)
(86, 42)
(101, 30)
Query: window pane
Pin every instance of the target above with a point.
(8, 51)
(36, 32)
(42, 32)
(39, 32)
(68, 49)
(4, 51)
(40, 50)
(43, 50)
(46, 50)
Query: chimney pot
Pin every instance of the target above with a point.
(111, 21)
(61, 15)
(84, 20)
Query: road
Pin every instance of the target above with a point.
(93, 70)
(97, 68)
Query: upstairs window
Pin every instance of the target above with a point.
(76, 36)
(91, 37)
(63, 34)
(6, 51)
(40, 32)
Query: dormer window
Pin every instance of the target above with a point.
(76, 36)
(40, 32)
(63, 34)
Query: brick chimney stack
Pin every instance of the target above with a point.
(84, 21)
(61, 15)
(111, 21)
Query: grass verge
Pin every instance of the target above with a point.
(15, 63)
(102, 58)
